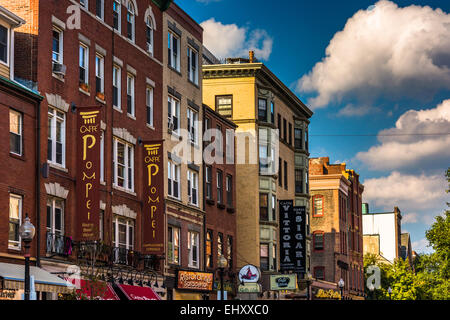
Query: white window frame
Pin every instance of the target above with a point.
(119, 15)
(55, 203)
(192, 124)
(174, 110)
(8, 44)
(149, 25)
(192, 73)
(173, 175)
(20, 129)
(173, 63)
(172, 249)
(128, 223)
(12, 244)
(102, 16)
(84, 4)
(128, 177)
(100, 71)
(192, 178)
(117, 79)
(131, 88)
(132, 14)
(149, 104)
(61, 45)
(54, 118)
(193, 246)
(86, 61)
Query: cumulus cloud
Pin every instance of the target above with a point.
(384, 51)
(420, 139)
(230, 40)
(421, 246)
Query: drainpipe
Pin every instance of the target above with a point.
(204, 197)
(38, 184)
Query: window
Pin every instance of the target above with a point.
(102, 156)
(15, 218)
(4, 34)
(224, 106)
(272, 112)
(149, 104)
(298, 138)
(116, 87)
(193, 249)
(123, 234)
(274, 256)
(173, 44)
(55, 216)
(173, 176)
(318, 239)
(319, 273)
(262, 110)
(284, 130)
(192, 57)
(84, 3)
(99, 74)
(209, 246)
(15, 132)
(290, 134)
(99, 8)
(230, 251)
(279, 124)
(84, 64)
(229, 186)
(298, 181)
(130, 95)
(264, 256)
(317, 206)
(123, 165)
(306, 140)
(192, 125)
(149, 34)
(280, 170)
(173, 246)
(263, 158)
(192, 178)
(219, 244)
(219, 150)
(208, 179)
(174, 113)
(130, 21)
(56, 136)
(274, 208)
(116, 15)
(219, 187)
(263, 207)
(100, 224)
(57, 46)
(285, 175)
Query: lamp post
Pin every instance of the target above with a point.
(390, 292)
(222, 264)
(26, 231)
(341, 284)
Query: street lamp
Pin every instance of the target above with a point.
(26, 231)
(221, 264)
(390, 292)
(341, 284)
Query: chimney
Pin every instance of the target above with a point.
(251, 55)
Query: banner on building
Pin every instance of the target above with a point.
(292, 237)
(283, 282)
(195, 281)
(153, 210)
(88, 173)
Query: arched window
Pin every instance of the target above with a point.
(130, 21)
(149, 33)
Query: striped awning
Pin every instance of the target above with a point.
(12, 277)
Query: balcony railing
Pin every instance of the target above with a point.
(58, 244)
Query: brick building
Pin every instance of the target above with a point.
(91, 53)
(336, 225)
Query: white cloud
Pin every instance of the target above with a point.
(351, 110)
(385, 51)
(421, 246)
(230, 40)
(412, 143)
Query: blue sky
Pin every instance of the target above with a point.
(376, 75)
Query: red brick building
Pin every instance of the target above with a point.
(336, 225)
(77, 54)
(220, 203)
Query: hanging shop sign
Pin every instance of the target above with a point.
(292, 237)
(88, 172)
(249, 287)
(249, 273)
(196, 281)
(153, 222)
(283, 282)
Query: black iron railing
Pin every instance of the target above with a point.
(58, 244)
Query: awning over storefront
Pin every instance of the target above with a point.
(100, 290)
(12, 277)
(138, 293)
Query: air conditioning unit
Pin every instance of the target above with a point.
(59, 68)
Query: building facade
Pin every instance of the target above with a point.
(336, 225)
(269, 166)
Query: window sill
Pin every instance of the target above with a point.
(131, 116)
(14, 248)
(173, 198)
(231, 210)
(57, 167)
(175, 70)
(84, 92)
(150, 126)
(100, 100)
(124, 190)
(17, 156)
(118, 109)
(193, 83)
(220, 206)
(210, 202)
(103, 183)
(54, 75)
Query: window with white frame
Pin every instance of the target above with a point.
(55, 216)
(116, 86)
(130, 21)
(56, 147)
(123, 164)
(130, 95)
(15, 132)
(123, 233)
(57, 45)
(173, 176)
(149, 104)
(84, 63)
(192, 125)
(173, 113)
(208, 179)
(99, 73)
(117, 15)
(149, 34)
(15, 218)
(173, 44)
(219, 178)
(229, 189)
(4, 40)
(102, 156)
(192, 179)
(193, 249)
(192, 65)
(99, 8)
(173, 245)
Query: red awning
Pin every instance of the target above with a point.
(101, 290)
(139, 293)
